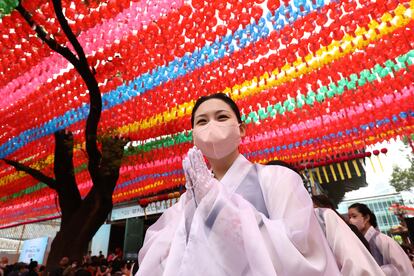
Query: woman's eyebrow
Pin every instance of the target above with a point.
(200, 115)
(222, 110)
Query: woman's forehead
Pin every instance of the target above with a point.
(353, 210)
(212, 106)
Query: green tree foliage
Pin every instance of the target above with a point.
(7, 6)
(403, 179)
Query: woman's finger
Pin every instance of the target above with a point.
(191, 156)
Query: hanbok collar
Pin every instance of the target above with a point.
(236, 173)
(370, 233)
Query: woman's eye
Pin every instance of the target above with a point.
(201, 122)
(222, 117)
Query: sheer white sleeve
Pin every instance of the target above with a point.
(351, 255)
(228, 236)
(394, 256)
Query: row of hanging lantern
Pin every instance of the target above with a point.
(315, 80)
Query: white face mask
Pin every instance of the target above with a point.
(359, 223)
(216, 139)
(357, 219)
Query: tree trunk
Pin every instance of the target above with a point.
(81, 220)
(73, 238)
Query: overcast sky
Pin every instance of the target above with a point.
(378, 181)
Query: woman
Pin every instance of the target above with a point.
(350, 248)
(239, 218)
(322, 201)
(387, 252)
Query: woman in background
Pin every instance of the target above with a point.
(387, 252)
(352, 255)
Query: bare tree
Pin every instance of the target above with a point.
(81, 218)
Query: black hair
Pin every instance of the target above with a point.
(82, 272)
(135, 268)
(283, 164)
(219, 96)
(33, 265)
(116, 266)
(359, 235)
(365, 211)
(323, 201)
(20, 266)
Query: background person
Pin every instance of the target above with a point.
(387, 252)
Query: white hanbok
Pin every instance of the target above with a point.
(259, 220)
(388, 254)
(350, 253)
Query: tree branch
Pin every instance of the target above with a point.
(95, 97)
(65, 52)
(57, 5)
(91, 128)
(83, 68)
(33, 172)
